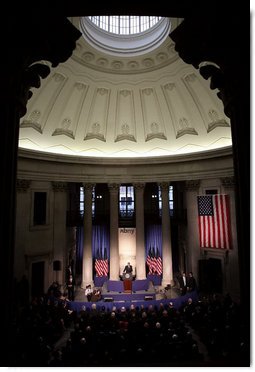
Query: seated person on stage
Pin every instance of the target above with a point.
(128, 269)
(96, 295)
(88, 292)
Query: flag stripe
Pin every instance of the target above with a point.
(101, 267)
(228, 224)
(154, 264)
(217, 223)
(225, 224)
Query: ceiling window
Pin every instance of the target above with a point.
(124, 25)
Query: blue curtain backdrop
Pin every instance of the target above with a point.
(153, 242)
(100, 244)
(153, 239)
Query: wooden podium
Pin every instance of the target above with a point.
(127, 282)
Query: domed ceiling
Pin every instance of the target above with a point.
(103, 104)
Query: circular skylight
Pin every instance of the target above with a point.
(125, 35)
(124, 25)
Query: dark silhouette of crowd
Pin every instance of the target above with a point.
(137, 336)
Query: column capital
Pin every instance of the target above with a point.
(113, 187)
(139, 186)
(58, 186)
(22, 185)
(164, 185)
(192, 185)
(228, 182)
(88, 186)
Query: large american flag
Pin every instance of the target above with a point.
(214, 221)
(154, 262)
(101, 264)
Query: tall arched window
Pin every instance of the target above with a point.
(126, 201)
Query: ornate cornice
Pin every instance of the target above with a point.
(95, 161)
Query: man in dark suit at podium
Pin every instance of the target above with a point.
(127, 278)
(128, 269)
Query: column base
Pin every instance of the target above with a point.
(140, 277)
(114, 278)
(166, 281)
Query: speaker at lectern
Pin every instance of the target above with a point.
(127, 276)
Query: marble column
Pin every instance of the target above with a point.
(114, 233)
(140, 244)
(166, 236)
(193, 252)
(87, 242)
(59, 237)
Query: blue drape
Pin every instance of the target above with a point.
(100, 242)
(153, 240)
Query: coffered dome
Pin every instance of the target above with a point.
(101, 103)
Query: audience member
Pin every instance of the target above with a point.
(183, 283)
(191, 282)
(70, 288)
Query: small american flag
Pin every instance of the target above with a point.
(214, 221)
(149, 261)
(154, 262)
(159, 266)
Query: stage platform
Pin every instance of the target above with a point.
(141, 290)
(154, 295)
(105, 305)
(141, 296)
